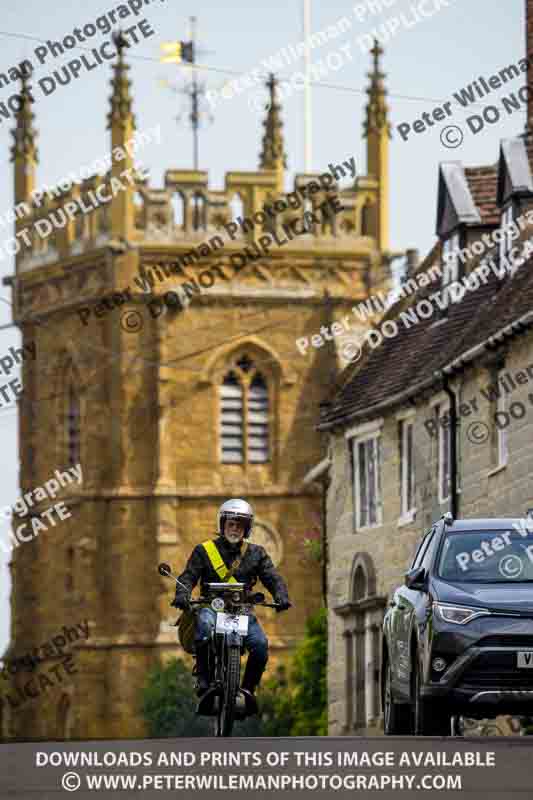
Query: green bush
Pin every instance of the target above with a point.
(309, 699)
(168, 702)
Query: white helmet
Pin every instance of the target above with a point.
(239, 510)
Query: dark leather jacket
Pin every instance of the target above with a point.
(255, 565)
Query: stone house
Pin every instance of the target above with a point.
(437, 414)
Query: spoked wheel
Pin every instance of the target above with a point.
(231, 687)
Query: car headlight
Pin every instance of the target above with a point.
(459, 615)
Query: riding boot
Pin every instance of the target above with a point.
(202, 668)
(252, 675)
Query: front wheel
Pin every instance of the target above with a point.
(397, 720)
(230, 688)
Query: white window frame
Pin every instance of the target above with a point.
(407, 511)
(501, 405)
(443, 442)
(355, 443)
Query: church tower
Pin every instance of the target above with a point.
(190, 389)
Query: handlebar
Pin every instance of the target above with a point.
(165, 571)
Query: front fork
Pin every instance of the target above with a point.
(232, 639)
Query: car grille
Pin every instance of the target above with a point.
(496, 671)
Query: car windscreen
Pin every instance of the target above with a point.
(494, 556)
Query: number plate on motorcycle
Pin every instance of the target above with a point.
(525, 659)
(232, 622)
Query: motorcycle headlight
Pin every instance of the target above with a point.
(236, 596)
(459, 615)
(217, 604)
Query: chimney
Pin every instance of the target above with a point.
(411, 262)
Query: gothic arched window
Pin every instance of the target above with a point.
(244, 415)
(64, 717)
(79, 227)
(258, 420)
(73, 427)
(104, 219)
(69, 570)
(366, 218)
(231, 420)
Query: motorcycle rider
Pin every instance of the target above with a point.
(210, 562)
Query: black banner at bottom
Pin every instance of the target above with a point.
(310, 767)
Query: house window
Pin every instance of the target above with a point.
(244, 415)
(443, 455)
(367, 483)
(450, 266)
(498, 412)
(73, 427)
(407, 472)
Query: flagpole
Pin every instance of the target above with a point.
(307, 89)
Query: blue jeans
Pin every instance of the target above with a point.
(255, 641)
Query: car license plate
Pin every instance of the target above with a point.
(233, 622)
(525, 659)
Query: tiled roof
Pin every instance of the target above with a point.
(482, 182)
(412, 358)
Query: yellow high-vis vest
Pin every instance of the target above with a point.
(217, 562)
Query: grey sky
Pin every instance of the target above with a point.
(425, 65)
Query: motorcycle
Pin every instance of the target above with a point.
(225, 701)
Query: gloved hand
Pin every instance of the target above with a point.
(180, 601)
(283, 604)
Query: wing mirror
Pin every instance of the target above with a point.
(416, 579)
